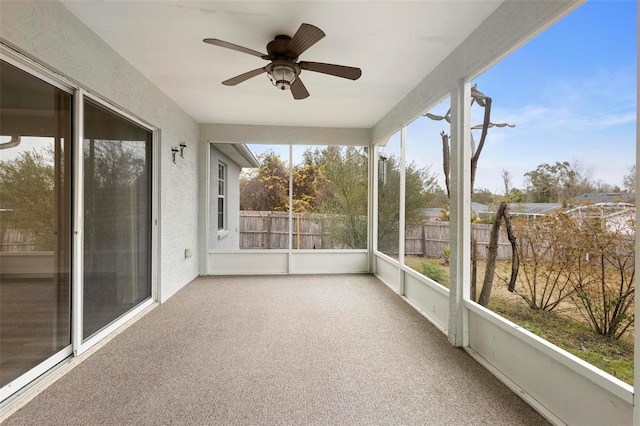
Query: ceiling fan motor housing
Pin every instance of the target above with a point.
(276, 49)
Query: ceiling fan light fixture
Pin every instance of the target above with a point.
(281, 76)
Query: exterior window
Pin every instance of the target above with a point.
(222, 177)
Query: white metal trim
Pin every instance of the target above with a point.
(374, 205)
(155, 215)
(117, 110)
(460, 211)
(35, 69)
(290, 257)
(426, 281)
(115, 325)
(281, 251)
(612, 384)
(24, 379)
(544, 412)
(402, 207)
(77, 263)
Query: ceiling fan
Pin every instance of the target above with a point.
(284, 70)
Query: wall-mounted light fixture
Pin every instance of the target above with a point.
(174, 151)
(182, 147)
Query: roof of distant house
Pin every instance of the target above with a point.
(606, 197)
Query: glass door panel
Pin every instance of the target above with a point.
(35, 217)
(117, 216)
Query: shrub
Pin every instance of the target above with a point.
(604, 281)
(546, 267)
(434, 271)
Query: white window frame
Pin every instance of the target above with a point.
(222, 184)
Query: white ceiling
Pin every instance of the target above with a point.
(395, 43)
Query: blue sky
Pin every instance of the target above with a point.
(570, 91)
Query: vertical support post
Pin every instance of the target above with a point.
(460, 208)
(290, 207)
(373, 206)
(401, 218)
(636, 339)
(78, 223)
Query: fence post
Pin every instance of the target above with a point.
(269, 230)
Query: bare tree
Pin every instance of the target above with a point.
(485, 102)
(506, 180)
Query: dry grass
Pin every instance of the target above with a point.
(565, 327)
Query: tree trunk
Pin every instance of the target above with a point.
(492, 252)
(515, 261)
(446, 162)
(474, 269)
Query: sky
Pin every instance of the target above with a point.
(570, 91)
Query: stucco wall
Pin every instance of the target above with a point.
(50, 34)
(229, 240)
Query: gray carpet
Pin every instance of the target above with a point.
(279, 350)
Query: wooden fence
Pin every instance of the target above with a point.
(270, 230)
(12, 240)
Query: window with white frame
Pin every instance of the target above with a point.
(222, 200)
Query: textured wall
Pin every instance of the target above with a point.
(47, 32)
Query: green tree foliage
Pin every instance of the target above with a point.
(308, 182)
(483, 195)
(557, 183)
(267, 187)
(27, 190)
(333, 181)
(516, 196)
(344, 194)
(421, 186)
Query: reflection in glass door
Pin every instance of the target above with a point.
(35, 161)
(117, 217)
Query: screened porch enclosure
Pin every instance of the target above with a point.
(143, 269)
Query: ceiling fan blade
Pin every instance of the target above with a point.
(306, 36)
(298, 90)
(232, 46)
(243, 77)
(338, 70)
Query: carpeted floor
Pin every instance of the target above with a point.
(279, 350)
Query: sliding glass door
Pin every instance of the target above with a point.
(117, 216)
(35, 218)
(76, 204)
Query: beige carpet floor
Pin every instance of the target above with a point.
(279, 350)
